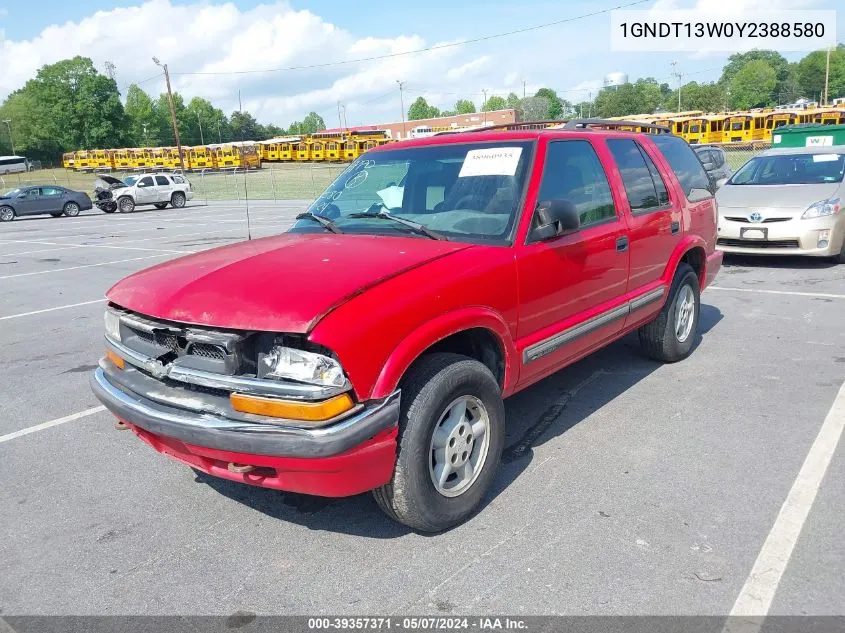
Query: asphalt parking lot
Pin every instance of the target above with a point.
(628, 487)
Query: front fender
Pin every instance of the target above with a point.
(436, 330)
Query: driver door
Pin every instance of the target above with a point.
(571, 287)
(29, 202)
(145, 191)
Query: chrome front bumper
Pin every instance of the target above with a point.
(256, 438)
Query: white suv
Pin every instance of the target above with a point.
(156, 189)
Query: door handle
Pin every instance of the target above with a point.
(622, 244)
(676, 227)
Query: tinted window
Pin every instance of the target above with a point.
(178, 179)
(636, 176)
(683, 161)
(573, 172)
(657, 179)
(791, 169)
(51, 191)
(161, 180)
(146, 181)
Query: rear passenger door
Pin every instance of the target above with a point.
(145, 191)
(163, 189)
(52, 198)
(654, 222)
(571, 286)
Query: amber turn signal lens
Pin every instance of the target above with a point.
(116, 360)
(307, 411)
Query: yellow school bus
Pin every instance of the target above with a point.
(302, 151)
(243, 155)
(744, 127)
(142, 157)
(201, 157)
(827, 116)
(122, 158)
(350, 149)
(69, 160)
(84, 159)
(269, 150)
(779, 118)
(102, 159)
(331, 142)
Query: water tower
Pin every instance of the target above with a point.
(614, 80)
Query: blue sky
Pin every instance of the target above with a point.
(209, 36)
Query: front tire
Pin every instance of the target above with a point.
(178, 200)
(126, 204)
(57, 214)
(840, 259)
(7, 214)
(670, 336)
(451, 434)
(71, 209)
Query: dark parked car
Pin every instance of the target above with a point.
(42, 199)
(715, 163)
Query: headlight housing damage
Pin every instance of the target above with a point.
(296, 364)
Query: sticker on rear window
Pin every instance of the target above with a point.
(825, 158)
(495, 161)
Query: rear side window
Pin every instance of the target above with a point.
(683, 161)
(643, 185)
(178, 179)
(162, 180)
(51, 191)
(147, 181)
(574, 172)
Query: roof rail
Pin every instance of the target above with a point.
(524, 125)
(586, 124)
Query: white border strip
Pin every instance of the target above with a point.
(46, 425)
(823, 295)
(70, 305)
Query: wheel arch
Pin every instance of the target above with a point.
(691, 250)
(478, 333)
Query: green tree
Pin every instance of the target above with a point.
(140, 112)
(464, 106)
(555, 108)
(243, 125)
(535, 108)
(494, 103)
(312, 122)
(421, 110)
(201, 122)
(66, 106)
(513, 102)
(775, 60)
(810, 73)
(164, 120)
(753, 86)
(709, 97)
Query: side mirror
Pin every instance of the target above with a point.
(555, 218)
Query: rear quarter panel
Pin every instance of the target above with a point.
(379, 333)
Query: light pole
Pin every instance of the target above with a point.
(219, 135)
(402, 105)
(484, 105)
(202, 140)
(172, 111)
(678, 75)
(8, 123)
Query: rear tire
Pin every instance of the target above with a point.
(160, 205)
(452, 414)
(840, 259)
(71, 209)
(670, 336)
(126, 204)
(178, 200)
(7, 214)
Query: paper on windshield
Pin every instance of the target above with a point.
(392, 196)
(825, 158)
(492, 161)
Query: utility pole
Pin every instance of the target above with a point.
(523, 89)
(678, 76)
(339, 120)
(402, 105)
(590, 106)
(172, 111)
(8, 123)
(826, 75)
(219, 135)
(240, 107)
(484, 105)
(202, 140)
(345, 124)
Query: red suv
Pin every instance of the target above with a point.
(370, 346)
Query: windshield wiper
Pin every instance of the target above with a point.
(323, 221)
(416, 227)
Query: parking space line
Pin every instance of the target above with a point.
(823, 295)
(755, 598)
(58, 270)
(46, 425)
(42, 311)
(64, 246)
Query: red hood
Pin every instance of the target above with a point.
(283, 284)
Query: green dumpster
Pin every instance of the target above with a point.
(808, 135)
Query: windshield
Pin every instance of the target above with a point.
(12, 193)
(130, 180)
(463, 191)
(791, 169)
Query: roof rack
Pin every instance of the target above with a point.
(525, 125)
(586, 124)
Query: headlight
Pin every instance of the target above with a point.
(822, 208)
(112, 322)
(295, 364)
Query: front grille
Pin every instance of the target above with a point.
(206, 350)
(723, 241)
(747, 221)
